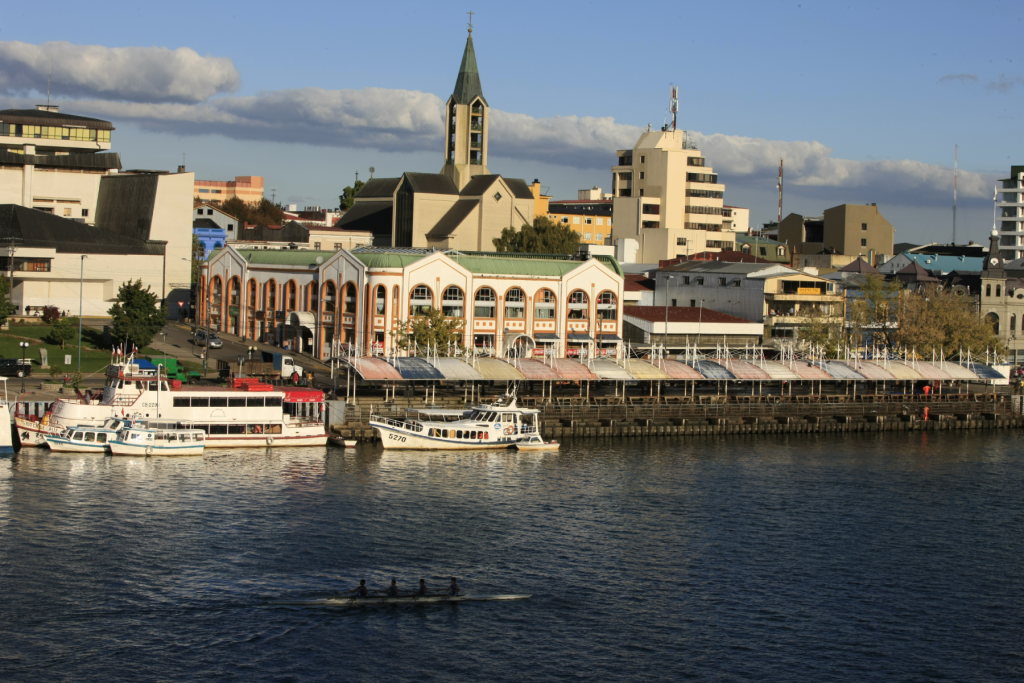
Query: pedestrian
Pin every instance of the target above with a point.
(295, 378)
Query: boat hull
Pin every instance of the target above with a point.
(401, 600)
(62, 445)
(36, 434)
(121, 448)
(397, 439)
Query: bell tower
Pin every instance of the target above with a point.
(466, 118)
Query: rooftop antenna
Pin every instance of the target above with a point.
(780, 193)
(674, 103)
(956, 159)
(273, 195)
(372, 169)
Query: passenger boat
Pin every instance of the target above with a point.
(246, 414)
(496, 425)
(137, 440)
(400, 600)
(87, 439)
(6, 423)
(535, 443)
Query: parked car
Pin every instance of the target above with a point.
(15, 367)
(214, 342)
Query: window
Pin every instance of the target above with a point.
(565, 219)
(641, 175)
(686, 279)
(381, 298)
(515, 303)
(863, 226)
(421, 300)
(721, 282)
(576, 220)
(85, 213)
(578, 305)
(316, 246)
(643, 160)
(588, 221)
(600, 221)
(641, 193)
(999, 290)
(291, 295)
(452, 302)
(763, 251)
(606, 306)
(736, 283)
(338, 246)
(67, 211)
(329, 296)
(693, 303)
(864, 243)
(600, 236)
(653, 209)
(544, 309)
(485, 305)
(350, 298)
(497, 196)
(586, 235)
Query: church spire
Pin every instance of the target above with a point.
(467, 85)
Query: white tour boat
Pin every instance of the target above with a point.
(86, 438)
(246, 415)
(137, 440)
(496, 425)
(6, 424)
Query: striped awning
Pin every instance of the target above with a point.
(456, 369)
(569, 369)
(711, 370)
(741, 369)
(777, 370)
(416, 368)
(808, 371)
(609, 369)
(904, 371)
(859, 369)
(370, 368)
(497, 370)
(645, 369)
(679, 370)
(536, 370)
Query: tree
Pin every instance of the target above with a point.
(348, 195)
(543, 237)
(50, 313)
(6, 307)
(936, 319)
(872, 312)
(62, 331)
(429, 330)
(264, 211)
(198, 256)
(823, 331)
(136, 316)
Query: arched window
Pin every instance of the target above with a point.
(988, 290)
(1013, 323)
(485, 305)
(290, 295)
(218, 290)
(270, 296)
(993, 320)
(607, 306)
(350, 298)
(311, 292)
(250, 295)
(381, 298)
(579, 305)
(234, 292)
(394, 303)
(999, 289)
(330, 295)
(515, 303)
(421, 300)
(217, 245)
(453, 302)
(544, 305)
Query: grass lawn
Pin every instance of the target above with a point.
(93, 360)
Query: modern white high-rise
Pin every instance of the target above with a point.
(1010, 214)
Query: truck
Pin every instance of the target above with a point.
(174, 370)
(269, 365)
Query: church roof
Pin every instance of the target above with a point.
(467, 85)
(519, 188)
(453, 218)
(372, 217)
(479, 184)
(431, 183)
(379, 187)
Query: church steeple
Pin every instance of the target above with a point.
(466, 118)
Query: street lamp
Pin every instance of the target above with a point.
(81, 289)
(700, 314)
(24, 346)
(665, 341)
(252, 350)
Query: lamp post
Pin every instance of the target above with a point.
(252, 350)
(700, 314)
(24, 346)
(81, 289)
(665, 340)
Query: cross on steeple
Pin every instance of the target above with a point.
(470, 21)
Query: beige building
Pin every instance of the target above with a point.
(735, 218)
(1002, 300)
(53, 162)
(464, 206)
(851, 230)
(248, 188)
(668, 199)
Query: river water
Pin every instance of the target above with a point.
(893, 557)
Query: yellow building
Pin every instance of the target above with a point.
(592, 219)
(248, 188)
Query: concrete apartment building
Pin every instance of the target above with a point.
(668, 199)
(53, 162)
(735, 218)
(1010, 212)
(591, 218)
(848, 230)
(248, 188)
(464, 206)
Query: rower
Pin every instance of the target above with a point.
(453, 590)
(422, 590)
(393, 589)
(361, 590)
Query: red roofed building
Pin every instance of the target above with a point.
(727, 256)
(687, 326)
(638, 290)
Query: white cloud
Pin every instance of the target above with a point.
(136, 74)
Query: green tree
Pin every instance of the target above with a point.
(62, 331)
(198, 257)
(6, 307)
(823, 330)
(543, 237)
(429, 330)
(936, 319)
(136, 316)
(264, 211)
(348, 195)
(873, 312)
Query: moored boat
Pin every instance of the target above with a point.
(501, 424)
(536, 443)
(85, 438)
(6, 423)
(137, 440)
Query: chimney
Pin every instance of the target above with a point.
(181, 169)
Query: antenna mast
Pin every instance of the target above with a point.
(956, 159)
(674, 104)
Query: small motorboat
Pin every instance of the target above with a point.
(87, 438)
(137, 440)
(536, 443)
(344, 443)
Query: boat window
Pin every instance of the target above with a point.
(153, 386)
(90, 436)
(254, 402)
(236, 429)
(218, 429)
(201, 402)
(274, 429)
(136, 437)
(141, 386)
(101, 438)
(77, 436)
(236, 402)
(180, 402)
(254, 429)
(472, 435)
(273, 401)
(444, 433)
(172, 437)
(218, 402)
(458, 434)
(120, 384)
(200, 437)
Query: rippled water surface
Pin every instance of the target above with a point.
(791, 558)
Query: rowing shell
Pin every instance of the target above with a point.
(402, 600)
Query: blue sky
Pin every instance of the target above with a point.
(306, 94)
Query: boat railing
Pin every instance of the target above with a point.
(529, 429)
(399, 424)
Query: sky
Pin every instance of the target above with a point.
(864, 101)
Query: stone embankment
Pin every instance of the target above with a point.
(709, 415)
